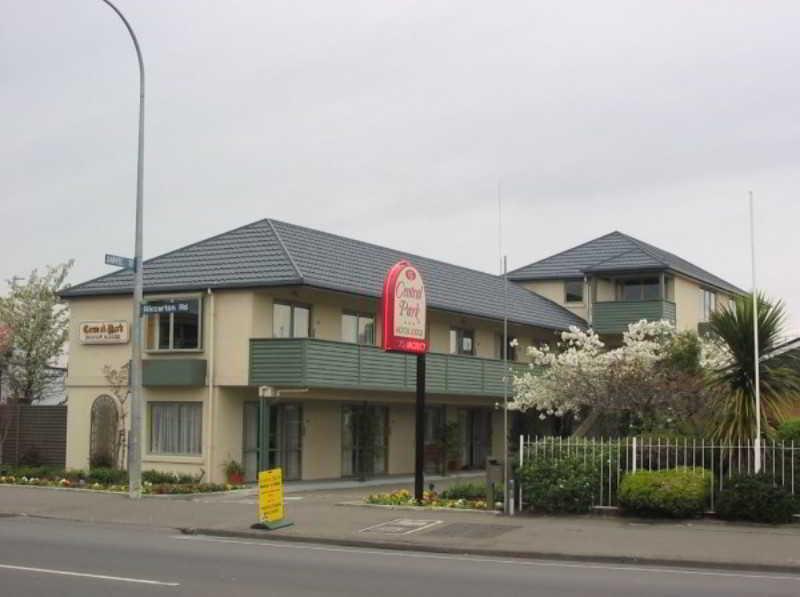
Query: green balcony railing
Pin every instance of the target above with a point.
(613, 317)
(306, 362)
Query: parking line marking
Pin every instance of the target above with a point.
(402, 522)
(141, 581)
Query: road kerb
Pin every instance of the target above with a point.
(499, 553)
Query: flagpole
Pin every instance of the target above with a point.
(506, 373)
(756, 356)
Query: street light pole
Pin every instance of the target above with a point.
(135, 434)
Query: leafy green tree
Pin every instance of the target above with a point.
(37, 320)
(734, 381)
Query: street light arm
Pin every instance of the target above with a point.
(135, 44)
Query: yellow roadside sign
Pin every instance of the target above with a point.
(270, 496)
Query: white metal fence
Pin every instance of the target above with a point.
(612, 458)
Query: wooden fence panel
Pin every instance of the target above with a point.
(37, 435)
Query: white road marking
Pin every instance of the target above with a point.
(141, 581)
(489, 560)
(413, 526)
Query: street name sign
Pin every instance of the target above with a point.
(167, 307)
(118, 261)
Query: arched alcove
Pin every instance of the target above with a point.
(104, 432)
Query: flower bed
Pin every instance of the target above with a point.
(153, 483)
(403, 497)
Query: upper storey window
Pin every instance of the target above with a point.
(177, 328)
(573, 291)
(462, 341)
(358, 328)
(639, 289)
(290, 320)
(709, 303)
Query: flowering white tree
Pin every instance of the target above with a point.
(655, 377)
(38, 321)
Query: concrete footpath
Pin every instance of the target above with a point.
(323, 515)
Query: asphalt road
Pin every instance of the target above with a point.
(54, 558)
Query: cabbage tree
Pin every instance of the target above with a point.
(733, 381)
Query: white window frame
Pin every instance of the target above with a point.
(359, 316)
(292, 306)
(173, 403)
(157, 330)
(705, 314)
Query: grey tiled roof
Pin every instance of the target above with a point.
(273, 253)
(615, 252)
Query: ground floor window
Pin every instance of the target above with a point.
(364, 434)
(176, 428)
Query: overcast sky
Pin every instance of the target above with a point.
(393, 121)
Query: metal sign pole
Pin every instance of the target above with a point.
(419, 467)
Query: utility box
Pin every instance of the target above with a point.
(494, 471)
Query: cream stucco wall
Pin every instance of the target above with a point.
(230, 319)
(322, 440)
(689, 303)
(401, 439)
(555, 291)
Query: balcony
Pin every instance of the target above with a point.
(613, 317)
(311, 363)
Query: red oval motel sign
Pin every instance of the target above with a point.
(404, 307)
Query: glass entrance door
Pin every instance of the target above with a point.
(363, 440)
(476, 429)
(281, 447)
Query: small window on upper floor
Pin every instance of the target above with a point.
(176, 327)
(290, 321)
(669, 288)
(708, 303)
(358, 328)
(573, 291)
(462, 341)
(512, 347)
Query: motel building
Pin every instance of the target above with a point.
(298, 310)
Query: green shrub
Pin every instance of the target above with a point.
(465, 491)
(789, 432)
(75, 475)
(674, 493)
(160, 478)
(756, 498)
(107, 476)
(38, 472)
(558, 485)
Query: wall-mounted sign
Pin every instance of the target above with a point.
(404, 309)
(104, 332)
(176, 306)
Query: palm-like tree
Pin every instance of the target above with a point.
(734, 385)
